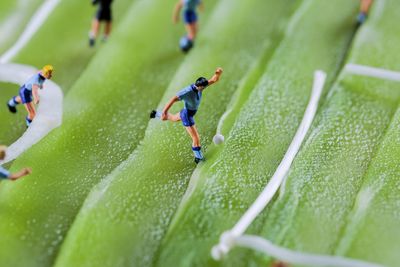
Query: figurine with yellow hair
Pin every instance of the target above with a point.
(5, 174)
(29, 93)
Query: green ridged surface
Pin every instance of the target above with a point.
(335, 179)
(126, 216)
(105, 115)
(341, 195)
(232, 179)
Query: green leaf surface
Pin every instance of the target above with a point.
(224, 187)
(124, 219)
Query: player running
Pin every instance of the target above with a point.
(29, 93)
(4, 174)
(189, 16)
(191, 96)
(103, 14)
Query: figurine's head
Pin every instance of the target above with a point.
(47, 71)
(3, 152)
(201, 83)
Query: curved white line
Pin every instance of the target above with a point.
(34, 24)
(283, 168)
(272, 187)
(49, 113)
(294, 257)
(222, 120)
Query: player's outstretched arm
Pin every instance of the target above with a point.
(177, 10)
(215, 77)
(35, 92)
(201, 6)
(164, 115)
(21, 173)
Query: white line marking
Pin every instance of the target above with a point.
(34, 24)
(13, 21)
(222, 120)
(49, 112)
(373, 72)
(295, 257)
(269, 191)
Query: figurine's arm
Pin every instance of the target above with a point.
(201, 6)
(35, 92)
(177, 10)
(21, 173)
(215, 77)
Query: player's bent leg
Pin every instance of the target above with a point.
(31, 113)
(31, 110)
(194, 30)
(191, 31)
(196, 147)
(194, 134)
(171, 117)
(12, 104)
(94, 31)
(365, 5)
(107, 30)
(174, 117)
(363, 14)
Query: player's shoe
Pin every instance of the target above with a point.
(185, 44)
(361, 18)
(28, 122)
(153, 114)
(197, 160)
(12, 109)
(92, 39)
(198, 156)
(92, 42)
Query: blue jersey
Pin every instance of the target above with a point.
(190, 96)
(190, 4)
(4, 174)
(36, 79)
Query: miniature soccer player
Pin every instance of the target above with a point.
(29, 93)
(103, 14)
(4, 174)
(190, 19)
(191, 96)
(364, 9)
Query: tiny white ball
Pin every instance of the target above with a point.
(218, 139)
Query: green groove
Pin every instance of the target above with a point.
(133, 207)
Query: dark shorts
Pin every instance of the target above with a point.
(189, 16)
(187, 117)
(104, 14)
(25, 94)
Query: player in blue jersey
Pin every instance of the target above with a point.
(29, 93)
(4, 174)
(189, 16)
(191, 96)
(104, 14)
(364, 9)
